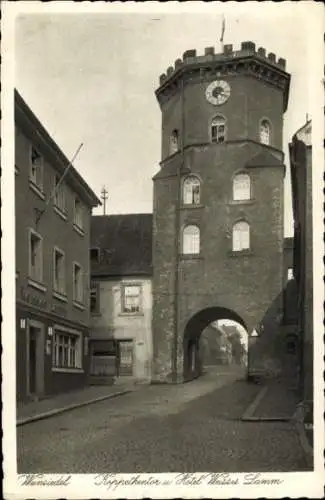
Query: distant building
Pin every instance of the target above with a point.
(121, 297)
(52, 263)
(301, 180)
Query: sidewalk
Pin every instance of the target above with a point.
(275, 401)
(37, 410)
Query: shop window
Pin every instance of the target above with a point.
(66, 350)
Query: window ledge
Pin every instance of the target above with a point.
(95, 313)
(36, 189)
(78, 305)
(60, 296)
(240, 253)
(36, 284)
(131, 314)
(191, 257)
(62, 214)
(67, 370)
(78, 230)
(184, 206)
(242, 202)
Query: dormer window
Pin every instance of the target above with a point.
(265, 132)
(218, 129)
(174, 142)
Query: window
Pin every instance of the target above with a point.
(191, 240)
(59, 194)
(240, 236)
(218, 129)
(66, 350)
(77, 283)
(191, 191)
(290, 275)
(78, 215)
(241, 187)
(36, 168)
(173, 142)
(265, 132)
(94, 255)
(131, 298)
(58, 271)
(35, 256)
(94, 298)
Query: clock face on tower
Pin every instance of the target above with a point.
(218, 92)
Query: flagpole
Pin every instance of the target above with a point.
(223, 27)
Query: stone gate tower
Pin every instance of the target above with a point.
(218, 199)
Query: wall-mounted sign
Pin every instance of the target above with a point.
(32, 298)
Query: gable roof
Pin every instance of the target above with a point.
(125, 243)
(264, 159)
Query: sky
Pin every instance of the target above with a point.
(90, 78)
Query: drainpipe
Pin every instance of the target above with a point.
(177, 240)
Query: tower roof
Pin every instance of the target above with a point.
(248, 60)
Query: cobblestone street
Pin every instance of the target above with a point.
(185, 428)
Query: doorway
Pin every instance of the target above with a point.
(125, 358)
(35, 359)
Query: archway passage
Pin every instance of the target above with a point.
(214, 336)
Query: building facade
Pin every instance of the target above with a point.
(218, 201)
(121, 297)
(52, 215)
(301, 181)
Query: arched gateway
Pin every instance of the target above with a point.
(193, 331)
(222, 241)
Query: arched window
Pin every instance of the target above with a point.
(173, 142)
(240, 236)
(241, 187)
(191, 240)
(265, 132)
(218, 129)
(191, 191)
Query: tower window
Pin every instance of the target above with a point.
(265, 132)
(191, 191)
(218, 129)
(174, 142)
(241, 187)
(240, 236)
(191, 240)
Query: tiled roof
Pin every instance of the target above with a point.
(125, 244)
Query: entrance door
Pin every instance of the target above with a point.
(35, 360)
(125, 357)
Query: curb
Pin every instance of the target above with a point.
(56, 411)
(248, 414)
